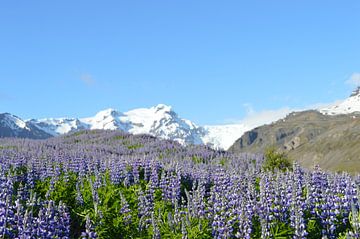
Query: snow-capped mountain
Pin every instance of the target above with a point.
(347, 106)
(59, 126)
(13, 126)
(160, 121)
(13, 122)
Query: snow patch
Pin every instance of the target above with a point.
(160, 121)
(223, 136)
(59, 126)
(347, 106)
(14, 122)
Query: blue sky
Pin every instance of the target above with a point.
(213, 61)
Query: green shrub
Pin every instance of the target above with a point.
(275, 161)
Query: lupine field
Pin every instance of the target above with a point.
(108, 184)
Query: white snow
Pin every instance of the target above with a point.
(347, 106)
(223, 136)
(106, 119)
(160, 121)
(59, 126)
(144, 120)
(163, 122)
(15, 122)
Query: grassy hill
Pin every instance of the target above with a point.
(311, 138)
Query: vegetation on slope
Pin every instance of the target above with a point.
(93, 185)
(310, 138)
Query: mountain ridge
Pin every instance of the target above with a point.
(329, 137)
(13, 126)
(309, 137)
(159, 121)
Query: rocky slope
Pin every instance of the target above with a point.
(13, 126)
(311, 138)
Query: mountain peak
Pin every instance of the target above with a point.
(347, 106)
(13, 121)
(158, 120)
(107, 112)
(13, 126)
(162, 107)
(355, 92)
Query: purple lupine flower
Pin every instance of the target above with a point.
(155, 228)
(298, 204)
(145, 209)
(264, 207)
(79, 197)
(63, 222)
(95, 196)
(125, 210)
(89, 232)
(135, 172)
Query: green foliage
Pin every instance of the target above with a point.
(109, 222)
(257, 184)
(275, 161)
(118, 137)
(135, 146)
(256, 232)
(2, 147)
(197, 159)
(223, 162)
(77, 133)
(195, 227)
(314, 229)
(105, 215)
(281, 230)
(76, 141)
(353, 225)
